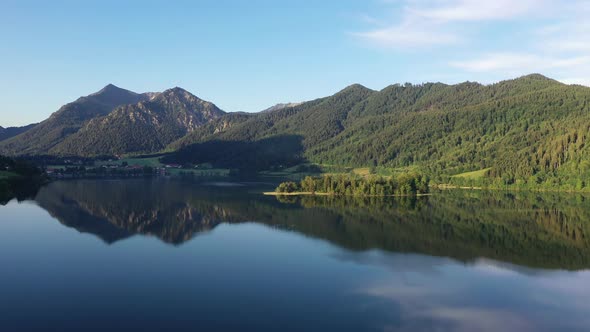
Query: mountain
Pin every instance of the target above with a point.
(221, 124)
(280, 106)
(528, 130)
(145, 127)
(314, 120)
(525, 130)
(68, 120)
(6, 133)
(114, 121)
(277, 138)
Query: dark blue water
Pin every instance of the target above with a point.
(167, 255)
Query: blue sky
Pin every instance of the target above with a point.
(248, 55)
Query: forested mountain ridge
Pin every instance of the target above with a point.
(531, 129)
(114, 121)
(527, 130)
(145, 127)
(314, 120)
(68, 120)
(210, 129)
(6, 133)
(280, 106)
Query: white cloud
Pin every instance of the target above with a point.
(568, 36)
(576, 80)
(499, 61)
(551, 36)
(569, 69)
(408, 35)
(420, 301)
(559, 49)
(480, 319)
(427, 23)
(477, 10)
(520, 62)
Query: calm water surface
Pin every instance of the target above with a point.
(151, 255)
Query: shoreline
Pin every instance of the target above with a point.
(509, 189)
(304, 193)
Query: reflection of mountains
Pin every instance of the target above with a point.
(547, 231)
(21, 189)
(115, 210)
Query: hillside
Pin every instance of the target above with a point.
(6, 133)
(68, 120)
(277, 138)
(147, 126)
(280, 106)
(528, 130)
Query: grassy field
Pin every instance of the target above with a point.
(56, 167)
(334, 169)
(294, 172)
(213, 172)
(206, 170)
(7, 175)
(472, 175)
(150, 162)
(365, 171)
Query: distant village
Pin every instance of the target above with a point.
(74, 168)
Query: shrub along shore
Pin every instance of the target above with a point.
(407, 184)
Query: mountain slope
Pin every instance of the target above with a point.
(314, 120)
(68, 120)
(527, 130)
(6, 133)
(530, 129)
(269, 139)
(210, 129)
(148, 126)
(280, 106)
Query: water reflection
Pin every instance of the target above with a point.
(538, 231)
(20, 189)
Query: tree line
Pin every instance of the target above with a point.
(19, 179)
(351, 185)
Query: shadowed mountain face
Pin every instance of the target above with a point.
(547, 231)
(285, 150)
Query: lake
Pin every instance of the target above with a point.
(174, 255)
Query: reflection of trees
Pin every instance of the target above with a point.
(21, 188)
(529, 229)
